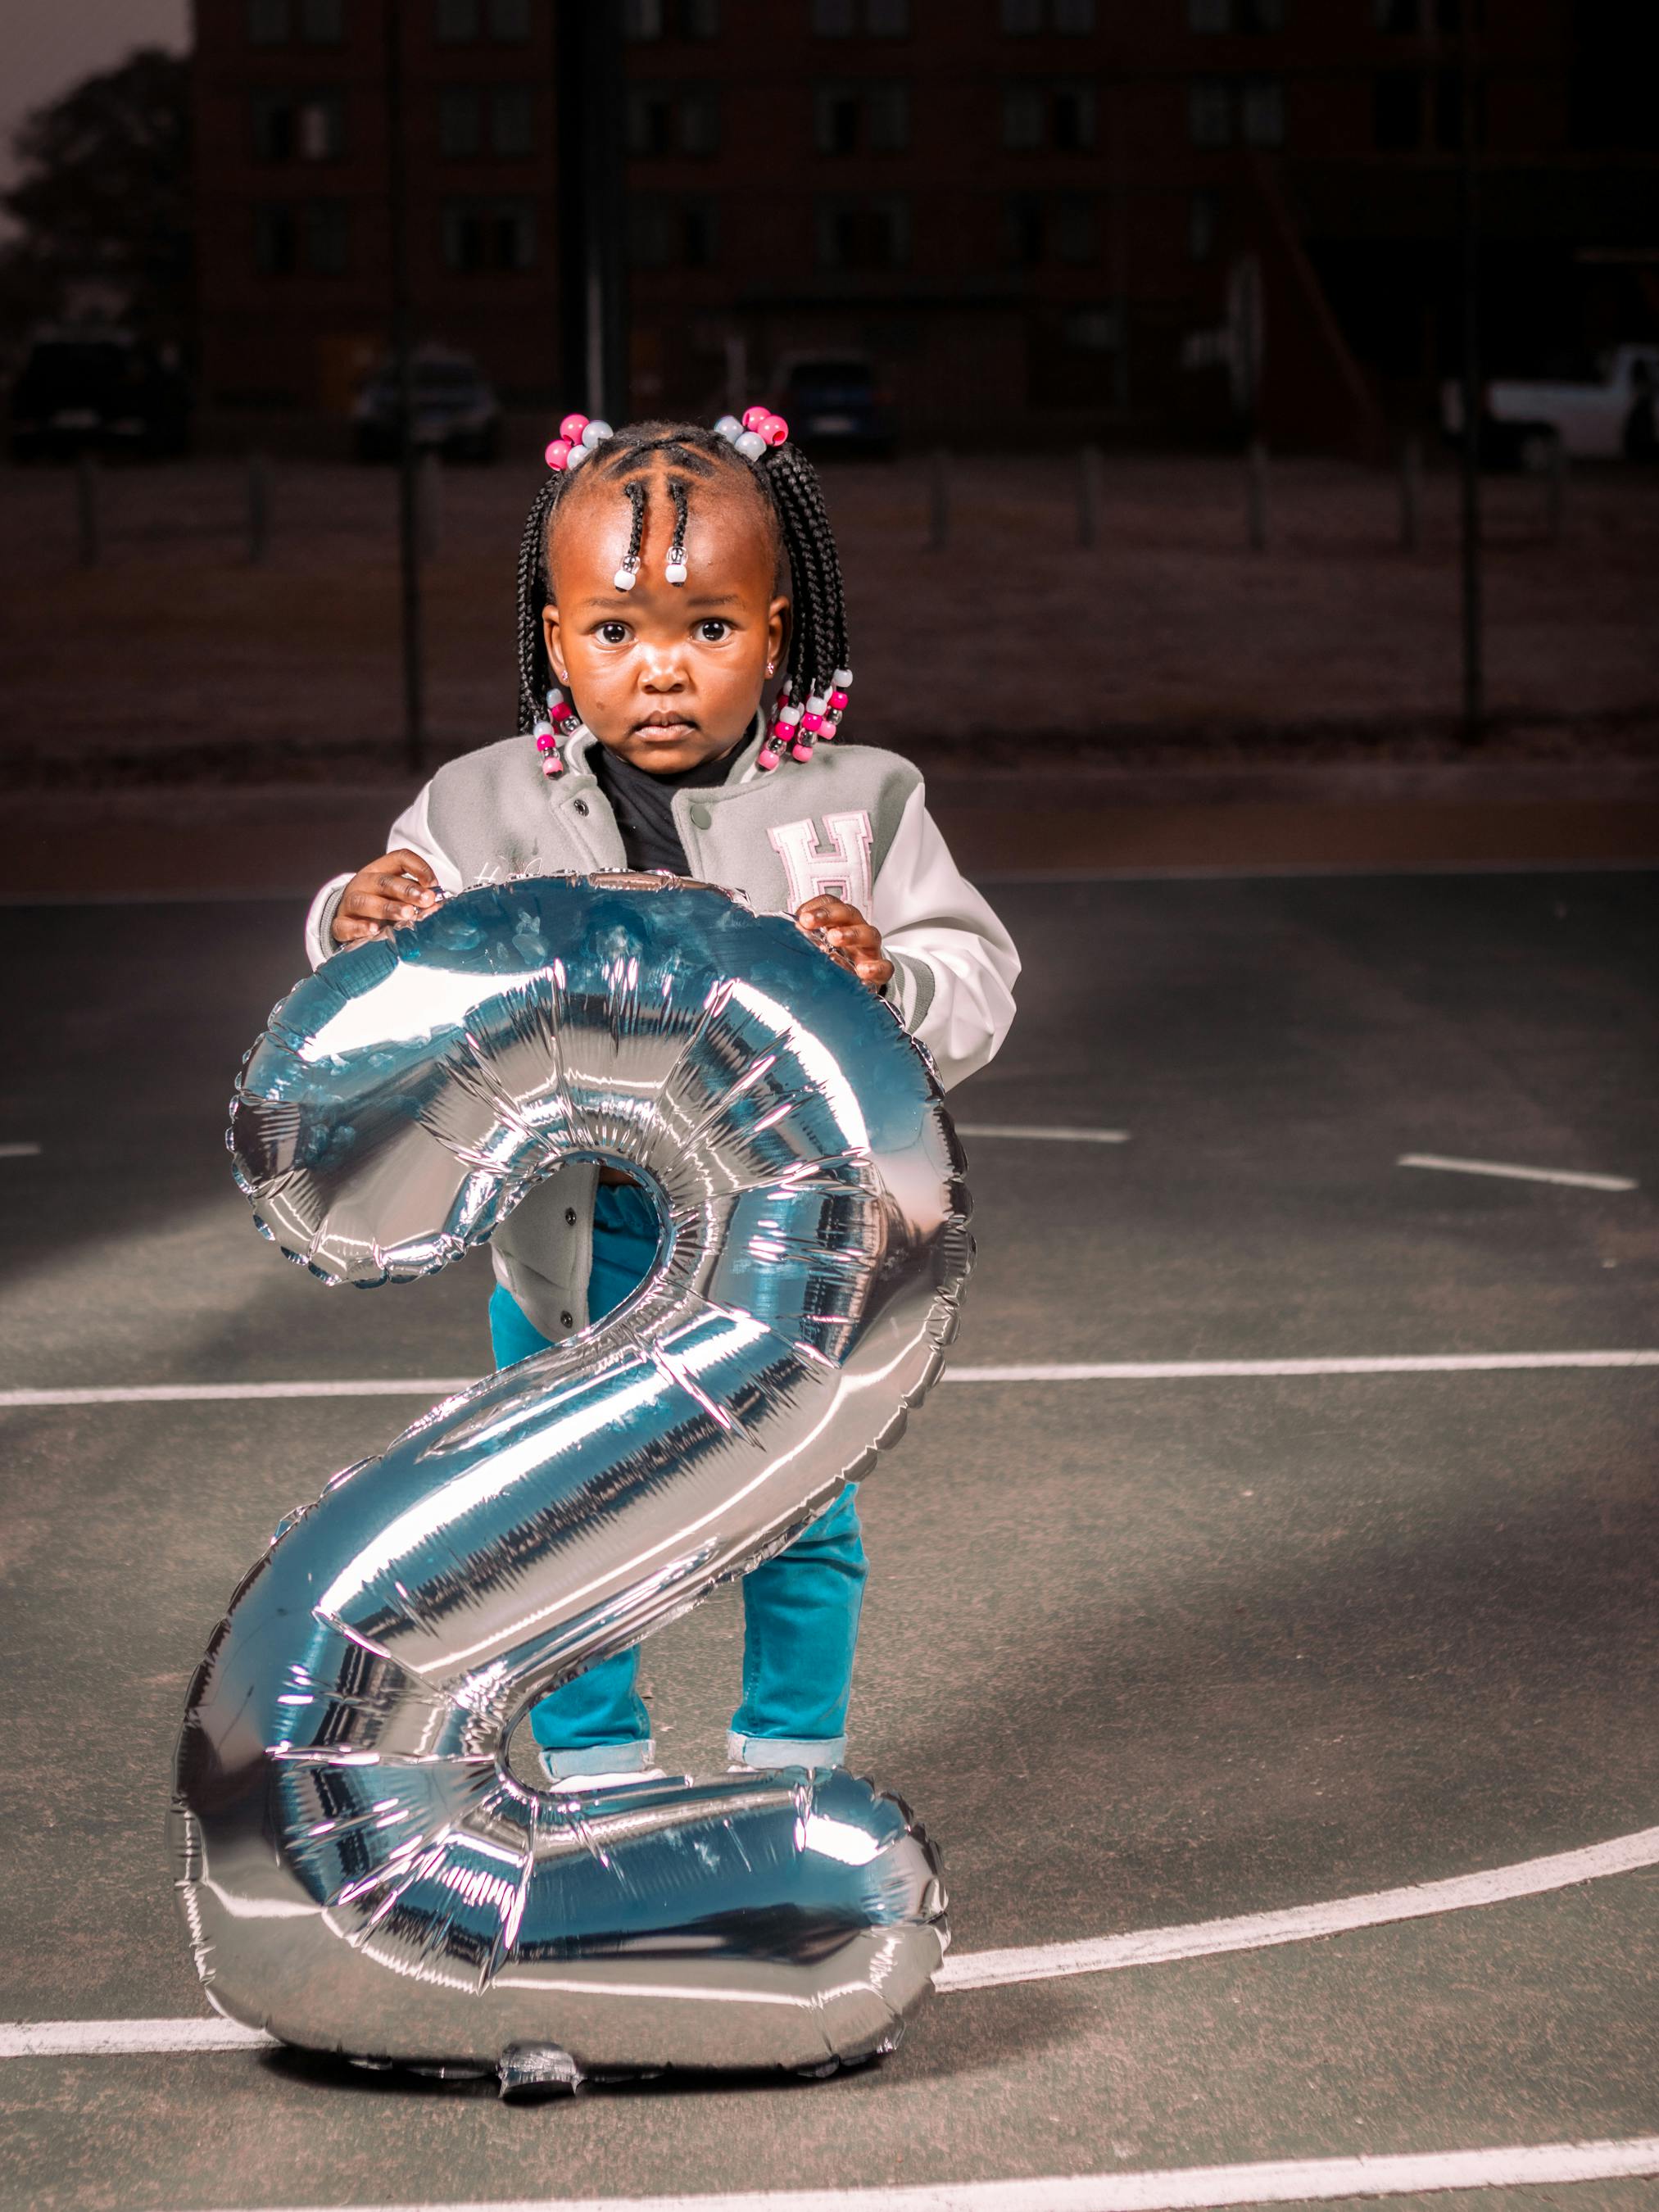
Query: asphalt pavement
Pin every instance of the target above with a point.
(1143, 1653)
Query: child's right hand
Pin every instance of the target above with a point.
(399, 887)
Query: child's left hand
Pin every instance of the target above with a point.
(845, 932)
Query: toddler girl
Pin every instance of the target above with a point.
(665, 571)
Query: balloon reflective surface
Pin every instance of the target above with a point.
(359, 1868)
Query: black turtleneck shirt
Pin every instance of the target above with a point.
(643, 803)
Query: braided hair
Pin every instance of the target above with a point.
(793, 515)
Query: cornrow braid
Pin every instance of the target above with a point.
(787, 483)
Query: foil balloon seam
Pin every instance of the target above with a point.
(358, 1866)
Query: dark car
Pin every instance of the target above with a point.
(833, 403)
(104, 391)
(457, 412)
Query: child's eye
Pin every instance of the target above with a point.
(713, 628)
(613, 632)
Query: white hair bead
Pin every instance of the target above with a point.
(676, 572)
(624, 578)
(578, 455)
(596, 433)
(843, 678)
(750, 444)
(728, 427)
(817, 703)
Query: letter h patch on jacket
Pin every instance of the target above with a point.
(842, 871)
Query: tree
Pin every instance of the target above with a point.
(104, 202)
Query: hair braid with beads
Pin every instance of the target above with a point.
(784, 479)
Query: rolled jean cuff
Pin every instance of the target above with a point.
(762, 1752)
(600, 1758)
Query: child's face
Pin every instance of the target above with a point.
(667, 675)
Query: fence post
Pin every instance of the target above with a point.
(1411, 493)
(431, 504)
(259, 509)
(939, 499)
(1555, 488)
(86, 510)
(1088, 496)
(1256, 495)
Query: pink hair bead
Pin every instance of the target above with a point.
(813, 722)
(838, 701)
(766, 759)
(801, 750)
(558, 455)
(774, 429)
(564, 712)
(571, 427)
(754, 417)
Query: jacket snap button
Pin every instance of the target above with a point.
(700, 817)
(582, 806)
(567, 1320)
(570, 1216)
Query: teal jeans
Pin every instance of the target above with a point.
(801, 1610)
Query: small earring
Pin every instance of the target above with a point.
(770, 666)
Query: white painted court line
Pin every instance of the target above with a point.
(16, 1151)
(980, 1970)
(1042, 1135)
(1301, 1923)
(1515, 1175)
(433, 1386)
(1177, 2188)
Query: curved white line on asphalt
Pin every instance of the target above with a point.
(1579, 1182)
(1301, 1923)
(981, 1970)
(1104, 1371)
(1177, 2188)
(1037, 1132)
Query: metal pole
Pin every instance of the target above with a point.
(86, 510)
(593, 294)
(403, 350)
(1256, 478)
(1474, 688)
(431, 505)
(1411, 493)
(938, 500)
(1555, 489)
(258, 510)
(1088, 496)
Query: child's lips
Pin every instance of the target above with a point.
(669, 725)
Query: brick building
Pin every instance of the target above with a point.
(1041, 217)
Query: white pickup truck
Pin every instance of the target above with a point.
(1529, 423)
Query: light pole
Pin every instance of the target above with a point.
(1474, 685)
(592, 129)
(402, 355)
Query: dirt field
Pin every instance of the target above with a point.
(176, 658)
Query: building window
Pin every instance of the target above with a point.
(457, 22)
(1261, 111)
(870, 117)
(1201, 212)
(700, 121)
(322, 22)
(315, 236)
(650, 121)
(1073, 115)
(642, 21)
(1400, 18)
(843, 19)
(512, 121)
(1074, 19)
(460, 122)
(1210, 112)
(1448, 111)
(269, 22)
(1022, 19)
(700, 19)
(1397, 110)
(887, 19)
(1022, 230)
(1076, 228)
(276, 238)
(1022, 117)
(489, 234)
(298, 127)
(1092, 330)
(1245, 18)
(509, 22)
(834, 19)
(871, 231)
(667, 232)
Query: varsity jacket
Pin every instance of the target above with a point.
(852, 821)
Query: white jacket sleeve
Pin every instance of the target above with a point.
(413, 831)
(955, 963)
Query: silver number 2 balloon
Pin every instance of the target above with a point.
(359, 1868)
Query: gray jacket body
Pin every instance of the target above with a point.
(852, 821)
